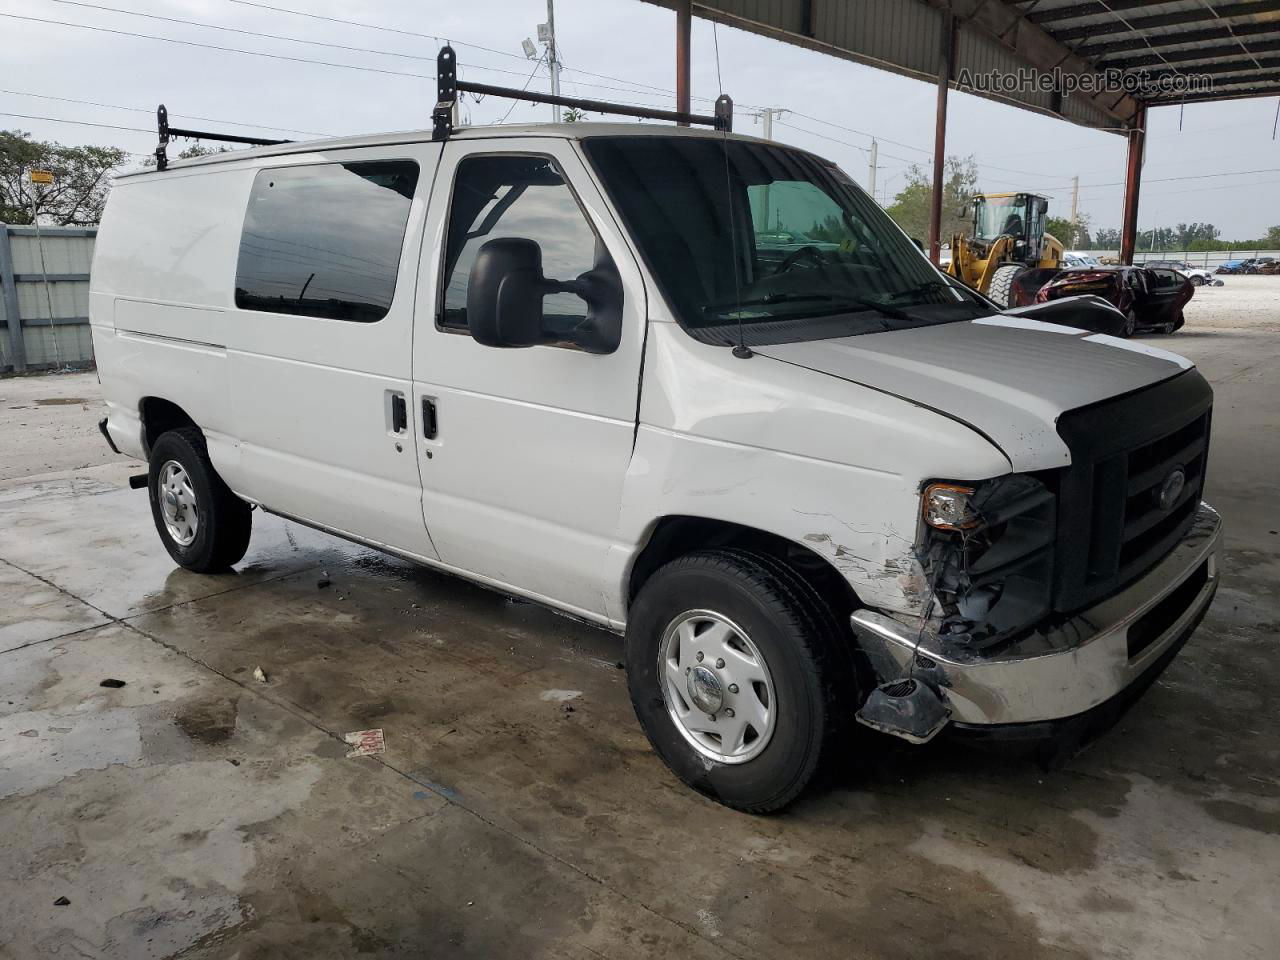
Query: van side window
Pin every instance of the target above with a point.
(517, 196)
(324, 240)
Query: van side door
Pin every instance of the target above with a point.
(319, 340)
(524, 450)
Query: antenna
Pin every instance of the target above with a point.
(724, 107)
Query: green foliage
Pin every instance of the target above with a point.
(81, 178)
(910, 209)
(1072, 237)
(190, 153)
(573, 115)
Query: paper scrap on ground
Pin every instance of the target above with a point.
(366, 743)
(560, 695)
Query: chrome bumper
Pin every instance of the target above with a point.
(1075, 667)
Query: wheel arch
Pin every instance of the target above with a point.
(674, 535)
(158, 416)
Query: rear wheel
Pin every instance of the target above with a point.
(1001, 290)
(204, 526)
(734, 673)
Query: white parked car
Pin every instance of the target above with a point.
(808, 484)
(1197, 275)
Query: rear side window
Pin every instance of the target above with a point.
(324, 240)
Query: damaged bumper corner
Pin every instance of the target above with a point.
(1076, 666)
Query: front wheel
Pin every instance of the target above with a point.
(204, 526)
(1130, 324)
(1001, 288)
(734, 672)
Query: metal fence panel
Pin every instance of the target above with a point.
(44, 323)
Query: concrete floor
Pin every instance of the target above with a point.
(197, 812)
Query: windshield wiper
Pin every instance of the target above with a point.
(886, 309)
(938, 285)
(765, 301)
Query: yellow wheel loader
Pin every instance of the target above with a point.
(1006, 239)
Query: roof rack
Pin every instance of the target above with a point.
(166, 131)
(448, 86)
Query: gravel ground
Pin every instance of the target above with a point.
(1240, 301)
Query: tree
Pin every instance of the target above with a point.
(1107, 238)
(910, 207)
(574, 115)
(80, 180)
(1272, 239)
(1073, 236)
(191, 152)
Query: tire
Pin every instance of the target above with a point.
(1001, 288)
(776, 620)
(204, 526)
(1197, 281)
(1130, 324)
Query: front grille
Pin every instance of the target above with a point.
(1112, 526)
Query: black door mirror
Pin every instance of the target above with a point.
(504, 294)
(505, 291)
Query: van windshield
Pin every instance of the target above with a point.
(770, 238)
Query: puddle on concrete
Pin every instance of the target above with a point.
(208, 721)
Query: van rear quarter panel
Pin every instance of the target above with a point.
(161, 291)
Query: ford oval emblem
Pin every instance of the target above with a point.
(1171, 489)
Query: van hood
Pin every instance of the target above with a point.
(1009, 378)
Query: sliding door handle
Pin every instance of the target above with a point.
(429, 418)
(399, 414)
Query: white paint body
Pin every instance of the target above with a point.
(552, 467)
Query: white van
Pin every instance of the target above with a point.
(686, 385)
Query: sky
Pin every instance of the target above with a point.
(611, 49)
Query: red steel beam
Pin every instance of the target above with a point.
(945, 72)
(1132, 184)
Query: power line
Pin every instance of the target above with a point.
(151, 111)
(458, 43)
(210, 46)
(80, 123)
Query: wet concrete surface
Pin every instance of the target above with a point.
(518, 810)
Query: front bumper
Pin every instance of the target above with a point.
(1078, 665)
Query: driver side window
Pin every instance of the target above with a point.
(501, 196)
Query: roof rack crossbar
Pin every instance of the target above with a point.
(166, 131)
(448, 86)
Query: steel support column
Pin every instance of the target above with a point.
(1132, 185)
(684, 27)
(945, 72)
(17, 352)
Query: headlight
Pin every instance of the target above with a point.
(949, 506)
(987, 548)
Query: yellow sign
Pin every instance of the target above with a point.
(41, 176)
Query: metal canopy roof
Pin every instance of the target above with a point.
(1229, 42)
(1236, 44)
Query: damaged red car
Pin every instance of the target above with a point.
(1147, 299)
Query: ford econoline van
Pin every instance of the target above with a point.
(693, 387)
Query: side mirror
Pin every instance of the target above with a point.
(505, 292)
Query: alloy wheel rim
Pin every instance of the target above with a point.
(717, 687)
(178, 505)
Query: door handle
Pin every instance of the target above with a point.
(399, 414)
(429, 417)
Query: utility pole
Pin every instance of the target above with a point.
(871, 168)
(547, 34)
(766, 116)
(1075, 203)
